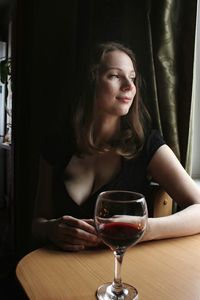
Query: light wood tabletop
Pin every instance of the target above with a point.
(160, 270)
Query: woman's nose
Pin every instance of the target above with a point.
(127, 84)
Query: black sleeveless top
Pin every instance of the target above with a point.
(133, 174)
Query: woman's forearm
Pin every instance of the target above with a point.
(182, 223)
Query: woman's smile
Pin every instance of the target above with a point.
(124, 99)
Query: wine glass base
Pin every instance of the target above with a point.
(104, 292)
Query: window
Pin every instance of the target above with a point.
(196, 104)
(5, 92)
(2, 94)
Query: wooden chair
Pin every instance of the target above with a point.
(162, 203)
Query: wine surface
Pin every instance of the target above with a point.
(120, 234)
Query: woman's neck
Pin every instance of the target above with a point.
(106, 129)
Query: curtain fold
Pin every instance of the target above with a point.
(172, 32)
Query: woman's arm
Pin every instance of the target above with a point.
(66, 232)
(166, 170)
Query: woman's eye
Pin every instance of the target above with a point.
(114, 76)
(132, 79)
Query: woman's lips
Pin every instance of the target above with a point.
(124, 99)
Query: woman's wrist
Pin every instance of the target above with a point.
(152, 231)
(165, 227)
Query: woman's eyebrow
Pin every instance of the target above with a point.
(119, 69)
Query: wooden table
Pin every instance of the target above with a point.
(160, 270)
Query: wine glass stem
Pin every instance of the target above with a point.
(117, 287)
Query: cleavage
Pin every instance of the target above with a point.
(85, 176)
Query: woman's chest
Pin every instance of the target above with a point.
(84, 176)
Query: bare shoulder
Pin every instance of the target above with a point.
(166, 169)
(165, 159)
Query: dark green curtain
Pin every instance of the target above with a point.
(171, 35)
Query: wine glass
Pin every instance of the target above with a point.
(120, 220)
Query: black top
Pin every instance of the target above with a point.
(132, 176)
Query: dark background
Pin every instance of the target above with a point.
(51, 44)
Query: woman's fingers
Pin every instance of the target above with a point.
(70, 243)
(73, 248)
(72, 234)
(90, 222)
(69, 247)
(75, 233)
(78, 223)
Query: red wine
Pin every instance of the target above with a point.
(120, 234)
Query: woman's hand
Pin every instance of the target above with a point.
(71, 234)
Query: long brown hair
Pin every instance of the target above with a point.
(133, 125)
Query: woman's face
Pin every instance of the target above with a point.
(115, 88)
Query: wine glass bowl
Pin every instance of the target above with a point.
(120, 220)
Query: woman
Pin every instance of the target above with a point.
(111, 147)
